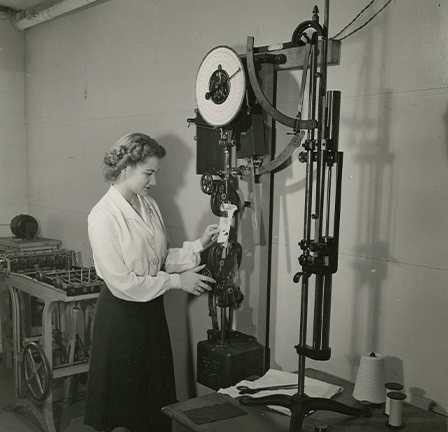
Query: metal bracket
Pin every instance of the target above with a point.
(284, 155)
(294, 123)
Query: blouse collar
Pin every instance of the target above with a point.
(122, 203)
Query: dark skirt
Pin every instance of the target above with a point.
(131, 373)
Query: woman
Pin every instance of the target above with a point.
(131, 374)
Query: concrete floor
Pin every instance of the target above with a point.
(68, 417)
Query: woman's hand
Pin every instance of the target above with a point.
(210, 235)
(195, 283)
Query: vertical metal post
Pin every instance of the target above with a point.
(302, 338)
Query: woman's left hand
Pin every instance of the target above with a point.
(210, 235)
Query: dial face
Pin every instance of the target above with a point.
(220, 86)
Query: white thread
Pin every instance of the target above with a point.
(369, 385)
(390, 387)
(396, 408)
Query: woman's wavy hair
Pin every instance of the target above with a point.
(130, 150)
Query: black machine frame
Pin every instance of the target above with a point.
(317, 134)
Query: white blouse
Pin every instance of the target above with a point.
(131, 254)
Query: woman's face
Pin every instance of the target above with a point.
(142, 177)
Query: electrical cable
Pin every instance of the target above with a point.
(354, 19)
(357, 16)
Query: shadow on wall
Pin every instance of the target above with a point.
(374, 164)
(172, 176)
(245, 314)
(170, 182)
(286, 187)
(394, 369)
(445, 118)
(373, 232)
(418, 399)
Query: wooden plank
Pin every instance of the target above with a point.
(295, 56)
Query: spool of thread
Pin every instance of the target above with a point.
(369, 384)
(396, 410)
(390, 387)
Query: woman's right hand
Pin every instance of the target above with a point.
(194, 282)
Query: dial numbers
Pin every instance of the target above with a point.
(220, 86)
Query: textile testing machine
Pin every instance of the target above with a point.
(51, 304)
(235, 120)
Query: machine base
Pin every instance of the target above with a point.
(223, 364)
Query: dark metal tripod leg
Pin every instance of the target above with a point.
(301, 406)
(299, 410)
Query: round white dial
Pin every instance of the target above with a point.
(220, 86)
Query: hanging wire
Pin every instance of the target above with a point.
(357, 16)
(354, 19)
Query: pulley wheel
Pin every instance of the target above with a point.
(37, 371)
(207, 183)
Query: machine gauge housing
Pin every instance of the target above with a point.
(220, 86)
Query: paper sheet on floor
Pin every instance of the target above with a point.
(313, 387)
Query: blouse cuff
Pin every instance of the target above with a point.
(197, 246)
(175, 281)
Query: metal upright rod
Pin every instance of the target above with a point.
(328, 204)
(326, 311)
(302, 338)
(305, 278)
(317, 323)
(223, 325)
(308, 196)
(229, 325)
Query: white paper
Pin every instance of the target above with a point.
(225, 223)
(313, 387)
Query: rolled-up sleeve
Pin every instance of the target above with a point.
(185, 258)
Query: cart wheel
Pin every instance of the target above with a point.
(37, 371)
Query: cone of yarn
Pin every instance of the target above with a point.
(369, 384)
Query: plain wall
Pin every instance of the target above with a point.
(13, 197)
(131, 66)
